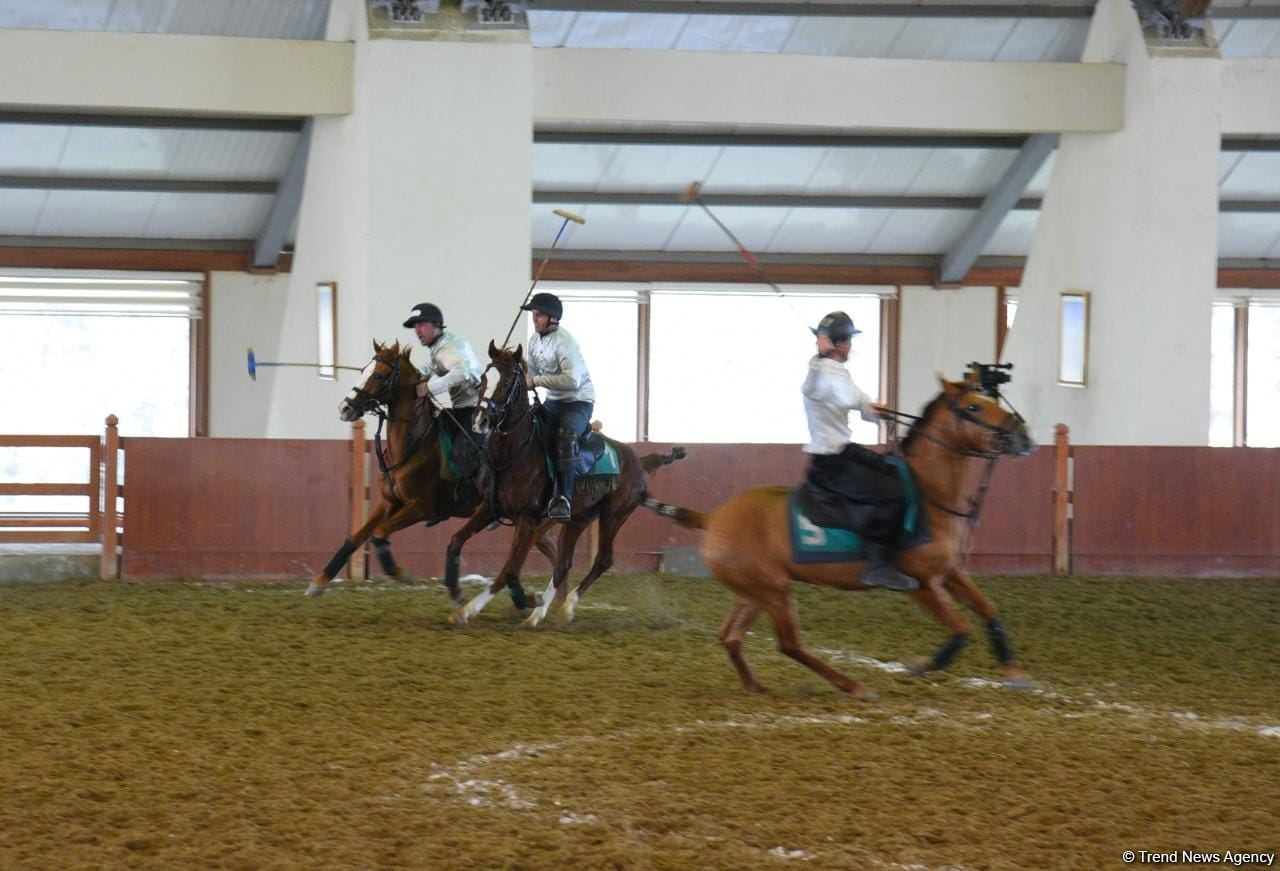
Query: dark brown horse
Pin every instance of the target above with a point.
(517, 476)
(413, 489)
(748, 544)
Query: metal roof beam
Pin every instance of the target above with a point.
(150, 122)
(995, 208)
(770, 140)
(818, 10)
(829, 201)
(134, 185)
(284, 209)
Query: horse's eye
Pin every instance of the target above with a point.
(974, 408)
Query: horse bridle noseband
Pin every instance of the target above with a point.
(497, 412)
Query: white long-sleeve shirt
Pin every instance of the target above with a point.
(555, 362)
(452, 370)
(829, 396)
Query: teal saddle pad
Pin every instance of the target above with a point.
(811, 543)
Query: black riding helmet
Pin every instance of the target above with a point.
(838, 326)
(547, 303)
(425, 312)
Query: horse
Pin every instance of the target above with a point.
(516, 474)
(413, 490)
(748, 547)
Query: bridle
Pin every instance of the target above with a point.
(496, 412)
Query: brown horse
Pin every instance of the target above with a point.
(748, 545)
(517, 476)
(413, 490)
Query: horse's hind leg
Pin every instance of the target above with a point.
(511, 569)
(321, 581)
(961, 585)
(933, 600)
(732, 631)
(610, 523)
(556, 589)
(781, 609)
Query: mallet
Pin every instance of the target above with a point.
(568, 216)
(254, 363)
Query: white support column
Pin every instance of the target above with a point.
(1131, 218)
(422, 193)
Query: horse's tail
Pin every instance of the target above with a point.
(686, 517)
(652, 462)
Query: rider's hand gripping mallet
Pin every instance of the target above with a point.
(568, 216)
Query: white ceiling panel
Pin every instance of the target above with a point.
(869, 171)
(1248, 38)
(953, 39)
(846, 37)
(1045, 39)
(571, 167)
(637, 228)
(1253, 176)
(285, 19)
(1014, 235)
(20, 211)
(1247, 235)
(758, 33)
(829, 231)
(764, 170)
(610, 30)
(656, 168)
(96, 213)
(919, 231)
(962, 172)
(117, 151)
(550, 29)
(756, 228)
(208, 216)
(31, 148)
(231, 154)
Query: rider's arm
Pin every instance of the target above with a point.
(830, 384)
(457, 371)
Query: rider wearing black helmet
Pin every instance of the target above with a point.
(837, 464)
(555, 363)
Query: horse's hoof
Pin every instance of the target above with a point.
(532, 621)
(314, 589)
(1021, 683)
(919, 667)
(458, 617)
(864, 694)
(404, 577)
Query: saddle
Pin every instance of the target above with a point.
(596, 457)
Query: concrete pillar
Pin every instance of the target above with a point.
(1131, 218)
(422, 193)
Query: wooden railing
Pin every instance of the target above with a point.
(96, 525)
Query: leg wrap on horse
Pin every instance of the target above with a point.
(383, 548)
(340, 558)
(949, 650)
(1000, 644)
(519, 597)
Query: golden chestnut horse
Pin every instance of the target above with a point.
(748, 545)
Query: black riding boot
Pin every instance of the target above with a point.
(881, 573)
(561, 505)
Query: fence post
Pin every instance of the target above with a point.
(1061, 501)
(109, 567)
(359, 494)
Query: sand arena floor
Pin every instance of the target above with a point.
(190, 725)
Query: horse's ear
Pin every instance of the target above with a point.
(493, 350)
(948, 387)
(376, 346)
(519, 353)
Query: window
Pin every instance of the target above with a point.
(1263, 380)
(726, 363)
(1222, 369)
(605, 322)
(1073, 349)
(326, 328)
(98, 343)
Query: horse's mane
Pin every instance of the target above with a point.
(929, 409)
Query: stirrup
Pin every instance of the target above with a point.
(559, 508)
(885, 575)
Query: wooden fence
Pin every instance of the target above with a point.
(279, 508)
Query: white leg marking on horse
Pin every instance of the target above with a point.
(314, 589)
(570, 602)
(540, 613)
(472, 608)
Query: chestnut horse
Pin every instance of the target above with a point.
(413, 490)
(748, 545)
(516, 473)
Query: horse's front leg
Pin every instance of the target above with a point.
(520, 546)
(935, 601)
(961, 585)
(320, 582)
(559, 583)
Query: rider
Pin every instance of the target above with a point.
(555, 362)
(836, 463)
(450, 373)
